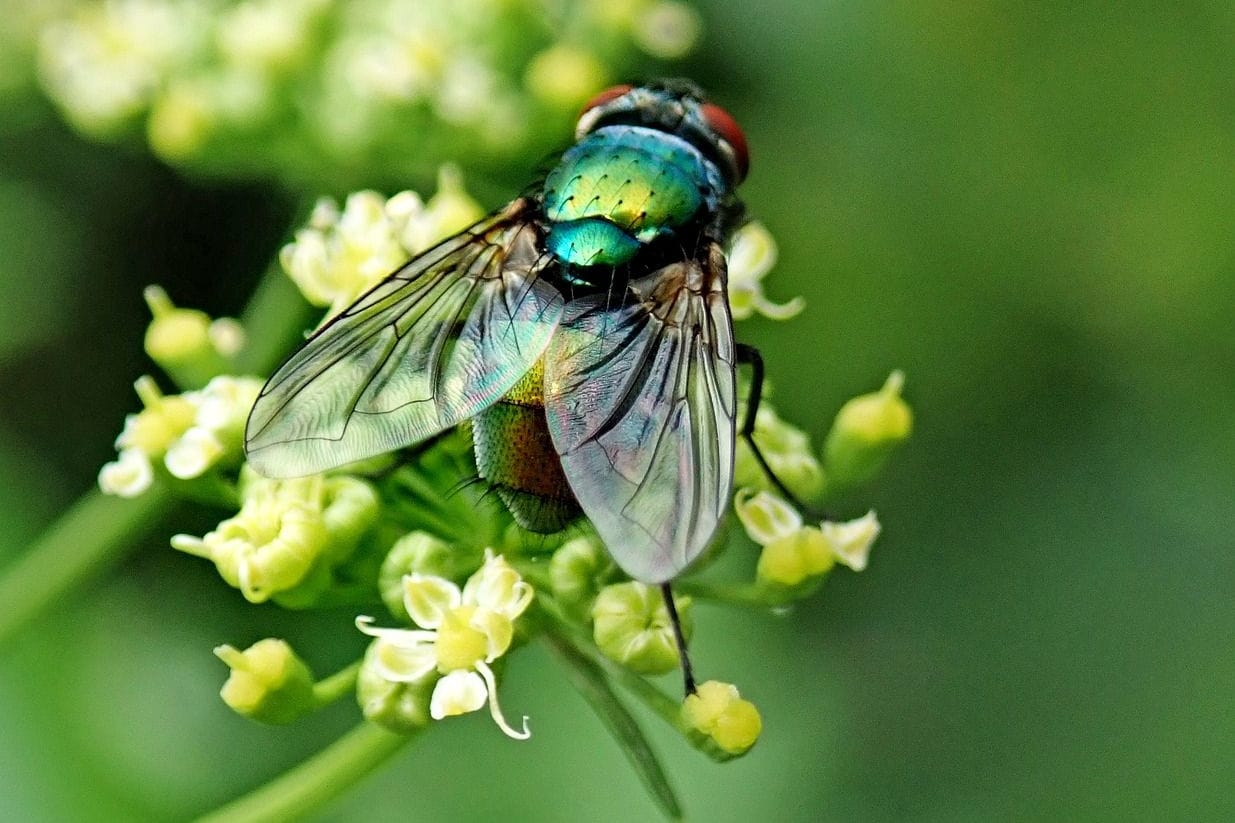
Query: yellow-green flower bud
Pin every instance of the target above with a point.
(866, 431)
(160, 423)
(268, 682)
(416, 553)
(801, 557)
(577, 571)
(716, 716)
(186, 343)
(351, 506)
(631, 626)
(564, 76)
(401, 707)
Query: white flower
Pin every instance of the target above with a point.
(751, 255)
(128, 476)
(851, 541)
(193, 453)
(461, 633)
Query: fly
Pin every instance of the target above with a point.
(585, 330)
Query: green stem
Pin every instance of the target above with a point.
(341, 683)
(94, 533)
(305, 788)
(589, 680)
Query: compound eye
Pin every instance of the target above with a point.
(726, 128)
(605, 96)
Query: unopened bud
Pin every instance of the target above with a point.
(631, 626)
(268, 682)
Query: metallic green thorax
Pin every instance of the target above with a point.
(622, 187)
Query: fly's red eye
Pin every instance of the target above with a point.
(721, 122)
(605, 96)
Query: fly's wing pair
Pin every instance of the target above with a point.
(430, 346)
(640, 403)
(639, 395)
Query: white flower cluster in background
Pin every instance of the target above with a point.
(393, 86)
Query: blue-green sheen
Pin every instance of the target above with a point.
(624, 186)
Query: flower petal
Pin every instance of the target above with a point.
(765, 516)
(457, 693)
(496, 628)
(428, 598)
(851, 541)
(498, 587)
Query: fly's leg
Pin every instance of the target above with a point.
(751, 356)
(688, 673)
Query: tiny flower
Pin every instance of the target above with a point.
(147, 438)
(866, 431)
(461, 634)
(217, 434)
(268, 682)
(851, 541)
(400, 706)
(334, 264)
(103, 64)
(128, 476)
(794, 556)
(717, 715)
(751, 255)
(285, 532)
(631, 626)
(163, 420)
(268, 35)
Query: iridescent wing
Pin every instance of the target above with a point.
(640, 403)
(430, 346)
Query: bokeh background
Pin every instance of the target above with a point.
(1028, 207)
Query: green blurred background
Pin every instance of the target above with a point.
(1026, 206)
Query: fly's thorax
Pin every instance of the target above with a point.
(515, 454)
(622, 187)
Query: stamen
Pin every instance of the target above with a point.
(494, 709)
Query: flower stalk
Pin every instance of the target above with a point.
(308, 787)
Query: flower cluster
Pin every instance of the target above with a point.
(398, 86)
(185, 435)
(342, 253)
(463, 585)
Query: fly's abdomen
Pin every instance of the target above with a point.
(515, 454)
